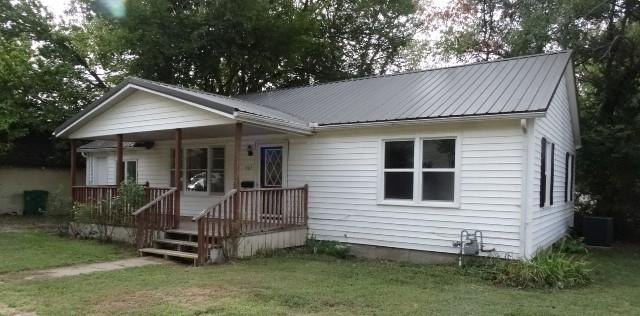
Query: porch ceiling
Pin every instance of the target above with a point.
(216, 131)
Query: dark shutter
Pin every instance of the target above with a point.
(552, 162)
(573, 174)
(567, 174)
(543, 176)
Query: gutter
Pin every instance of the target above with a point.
(281, 125)
(448, 119)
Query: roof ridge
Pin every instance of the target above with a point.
(411, 72)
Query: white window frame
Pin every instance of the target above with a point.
(209, 149)
(125, 162)
(417, 172)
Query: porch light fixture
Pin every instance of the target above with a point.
(249, 150)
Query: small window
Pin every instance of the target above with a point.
(438, 169)
(131, 170)
(398, 170)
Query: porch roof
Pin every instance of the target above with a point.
(238, 109)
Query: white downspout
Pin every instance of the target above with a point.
(527, 126)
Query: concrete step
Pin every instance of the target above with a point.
(169, 253)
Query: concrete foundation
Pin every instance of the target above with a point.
(119, 233)
(249, 245)
(403, 255)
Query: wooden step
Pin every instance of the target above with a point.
(182, 231)
(169, 253)
(177, 242)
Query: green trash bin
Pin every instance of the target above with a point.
(35, 202)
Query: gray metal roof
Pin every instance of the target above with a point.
(514, 85)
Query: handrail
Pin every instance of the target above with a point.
(96, 186)
(156, 200)
(272, 189)
(155, 216)
(244, 211)
(204, 212)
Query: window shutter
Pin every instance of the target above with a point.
(552, 162)
(567, 172)
(573, 174)
(543, 176)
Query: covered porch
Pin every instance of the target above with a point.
(212, 173)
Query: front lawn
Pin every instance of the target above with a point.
(306, 284)
(29, 250)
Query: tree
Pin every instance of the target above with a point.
(52, 68)
(605, 39)
(232, 47)
(43, 76)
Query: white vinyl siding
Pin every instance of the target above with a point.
(342, 170)
(143, 111)
(551, 222)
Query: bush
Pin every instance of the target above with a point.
(326, 247)
(548, 269)
(59, 204)
(571, 245)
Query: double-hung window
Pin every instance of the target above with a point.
(568, 177)
(399, 169)
(196, 169)
(419, 170)
(203, 170)
(131, 170)
(438, 169)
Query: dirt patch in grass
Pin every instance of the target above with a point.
(8, 311)
(123, 301)
(14, 223)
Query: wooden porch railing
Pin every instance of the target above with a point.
(258, 210)
(157, 215)
(100, 199)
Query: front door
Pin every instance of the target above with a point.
(271, 166)
(272, 176)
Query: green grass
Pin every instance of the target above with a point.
(306, 284)
(38, 250)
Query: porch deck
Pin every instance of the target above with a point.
(187, 225)
(278, 215)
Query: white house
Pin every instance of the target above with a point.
(402, 161)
